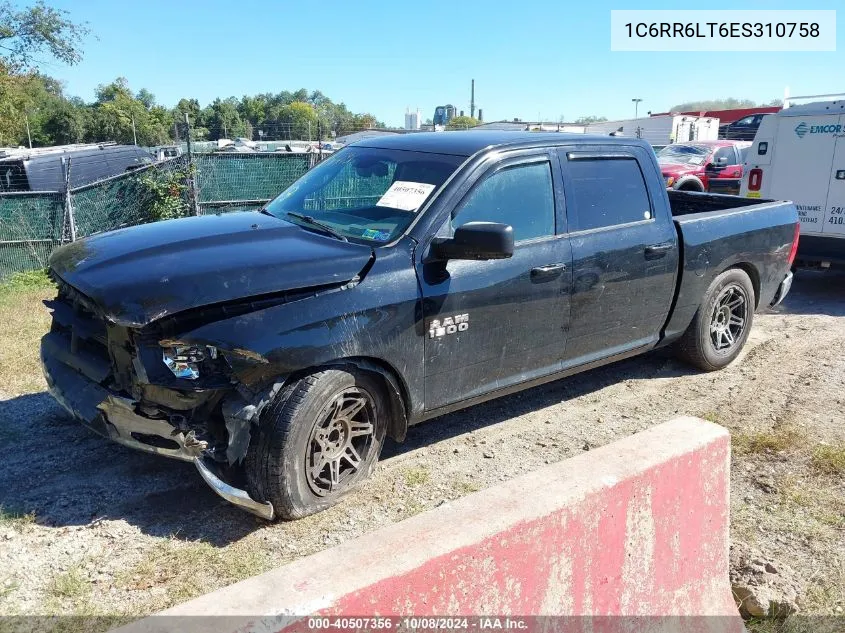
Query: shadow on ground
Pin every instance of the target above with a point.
(66, 475)
(816, 292)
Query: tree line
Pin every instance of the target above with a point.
(33, 106)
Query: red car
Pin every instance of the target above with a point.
(714, 166)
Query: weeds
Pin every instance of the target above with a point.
(71, 585)
(416, 476)
(11, 518)
(778, 439)
(829, 460)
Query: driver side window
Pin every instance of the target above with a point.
(521, 196)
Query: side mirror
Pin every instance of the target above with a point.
(476, 240)
(720, 163)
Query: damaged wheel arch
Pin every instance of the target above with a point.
(242, 408)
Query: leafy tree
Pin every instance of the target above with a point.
(462, 123)
(117, 110)
(299, 120)
(586, 120)
(146, 97)
(27, 33)
(365, 121)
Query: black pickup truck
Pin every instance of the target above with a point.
(402, 278)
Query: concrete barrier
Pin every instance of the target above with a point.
(635, 528)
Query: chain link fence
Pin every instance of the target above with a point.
(33, 224)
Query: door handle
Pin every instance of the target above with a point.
(548, 270)
(656, 251)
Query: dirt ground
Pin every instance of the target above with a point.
(89, 527)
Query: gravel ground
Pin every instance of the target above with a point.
(89, 527)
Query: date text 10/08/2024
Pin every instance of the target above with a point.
(427, 623)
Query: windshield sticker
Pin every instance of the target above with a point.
(373, 234)
(404, 195)
(696, 160)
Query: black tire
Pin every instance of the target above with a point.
(711, 342)
(304, 426)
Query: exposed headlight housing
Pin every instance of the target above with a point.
(183, 360)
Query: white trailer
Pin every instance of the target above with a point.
(798, 154)
(662, 130)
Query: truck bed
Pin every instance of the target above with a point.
(716, 232)
(690, 202)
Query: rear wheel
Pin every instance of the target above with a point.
(720, 328)
(318, 440)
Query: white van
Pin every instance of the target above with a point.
(798, 154)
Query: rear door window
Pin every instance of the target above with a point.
(605, 191)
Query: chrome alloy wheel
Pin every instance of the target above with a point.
(340, 441)
(730, 314)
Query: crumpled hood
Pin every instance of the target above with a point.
(142, 273)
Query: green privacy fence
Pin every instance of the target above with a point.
(30, 228)
(33, 224)
(231, 180)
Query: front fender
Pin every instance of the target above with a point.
(378, 319)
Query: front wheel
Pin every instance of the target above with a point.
(315, 442)
(721, 325)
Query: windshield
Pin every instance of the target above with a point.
(364, 193)
(684, 154)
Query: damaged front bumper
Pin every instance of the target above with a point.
(114, 416)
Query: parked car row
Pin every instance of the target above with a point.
(797, 153)
(712, 166)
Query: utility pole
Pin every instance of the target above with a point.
(28, 135)
(134, 134)
(192, 184)
(636, 106)
(472, 100)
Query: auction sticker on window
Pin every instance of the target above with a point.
(404, 195)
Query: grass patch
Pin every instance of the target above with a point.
(416, 476)
(30, 281)
(25, 320)
(185, 570)
(11, 518)
(710, 417)
(465, 487)
(829, 460)
(780, 438)
(70, 585)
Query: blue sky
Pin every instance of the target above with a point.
(546, 57)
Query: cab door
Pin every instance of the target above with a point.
(490, 324)
(625, 256)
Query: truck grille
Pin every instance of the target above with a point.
(79, 336)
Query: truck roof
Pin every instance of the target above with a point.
(467, 143)
(815, 108)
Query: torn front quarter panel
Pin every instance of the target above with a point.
(241, 410)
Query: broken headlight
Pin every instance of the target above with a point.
(184, 360)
